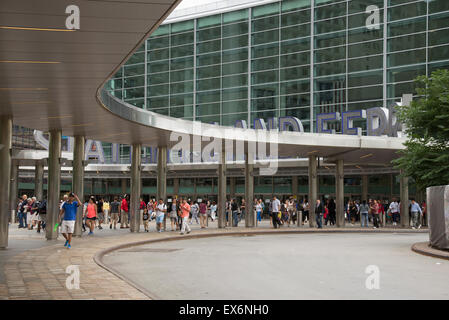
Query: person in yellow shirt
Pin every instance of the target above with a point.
(106, 209)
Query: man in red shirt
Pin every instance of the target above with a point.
(124, 213)
(185, 210)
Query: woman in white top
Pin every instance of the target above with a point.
(259, 209)
(213, 210)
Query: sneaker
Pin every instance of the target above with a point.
(69, 246)
(110, 226)
(66, 243)
(160, 231)
(100, 227)
(182, 233)
(90, 233)
(413, 228)
(188, 232)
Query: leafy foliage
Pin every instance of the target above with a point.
(426, 120)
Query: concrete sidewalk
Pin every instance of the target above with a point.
(38, 273)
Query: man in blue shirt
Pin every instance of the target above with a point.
(69, 209)
(416, 213)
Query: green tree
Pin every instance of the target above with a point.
(426, 120)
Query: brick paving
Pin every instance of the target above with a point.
(39, 274)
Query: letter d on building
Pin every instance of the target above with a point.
(73, 280)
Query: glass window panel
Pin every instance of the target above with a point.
(181, 99)
(136, 102)
(209, 34)
(407, 42)
(295, 101)
(208, 96)
(266, 90)
(295, 31)
(331, 11)
(330, 83)
(158, 54)
(235, 29)
(236, 67)
(364, 105)
(438, 21)
(157, 67)
(437, 65)
(161, 30)
(208, 59)
(406, 27)
(231, 119)
(181, 87)
(183, 38)
(408, 57)
(368, 63)
(181, 112)
(158, 90)
(117, 93)
(295, 73)
(330, 40)
(134, 70)
(209, 119)
(398, 89)
(359, 20)
(163, 111)
(365, 49)
(158, 78)
(300, 113)
(157, 102)
(134, 93)
(360, 5)
(265, 50)
(264, 104)
(264, 77)
(116, 84)
(290, 87)
(265, 23)
(438, 37)
(235, 42)
(438, 5)
(325, 69)
(136, 58)
(235, 106)
(295, 59)
(295, 18)
(235, 16)
(397, 2)
(263, 115)
(365, 78)
(208, 72)
(330, 25)
(158, 43)
(182, 26)
(235, 55)
(405, 74)
(363, 34)
(265, 64)
(291, 5)
(208, 109)
(209, 46)
(209, 21)
(208, 84)
(336, 53)
(235, 81)
(407, 11)
(365, 93)
(265, 10)
(134, 82)
(183, 75)
(234, 94)
(265, 37)
(439, 53)
(182, 51)
(181, 63)
(295, 45)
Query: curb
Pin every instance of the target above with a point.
(425, 249)
(98, 257)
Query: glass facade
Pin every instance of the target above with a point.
(289, 58)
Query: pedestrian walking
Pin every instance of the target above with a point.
(185, 210)
(69, 210)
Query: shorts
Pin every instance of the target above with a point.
(114, 216)
(175, 219)
(100, 216)
(34, 217)
(160, 219)
(67, 226)
(42, 217)
(29, 218)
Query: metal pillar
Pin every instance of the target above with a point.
(313, 188)
(405, 218)
(78, 180)
(39, 180)
(340, 193)
(365, 187)
(176, 187)
(54, 183)
(134, 207)
(5, 177)
(14, 190)
(249, 191)
(221, 206)
(124, 187)
(162, 177)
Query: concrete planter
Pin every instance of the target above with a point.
(438, 215)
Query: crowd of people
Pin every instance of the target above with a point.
(182, 212)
